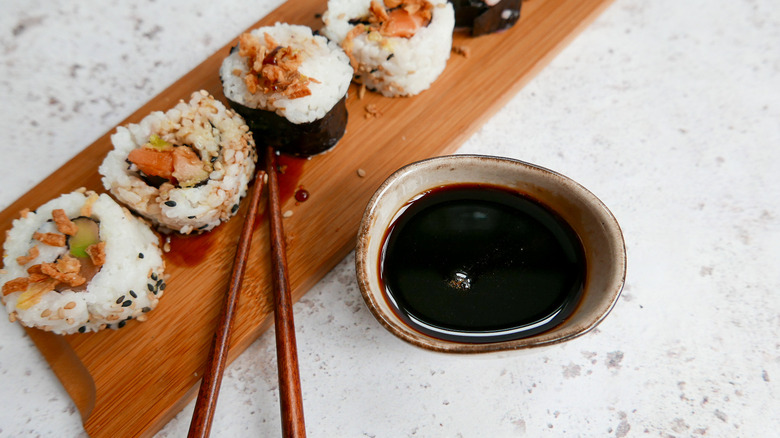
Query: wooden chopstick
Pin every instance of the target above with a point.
(206, 403)
(291, 400)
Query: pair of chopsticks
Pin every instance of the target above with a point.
(290, 397)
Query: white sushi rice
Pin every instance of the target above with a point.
(133, 262)
(323, 61)
(215, 133)
(394, 66)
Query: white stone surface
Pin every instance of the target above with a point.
(669, 111)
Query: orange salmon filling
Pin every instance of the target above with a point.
(403, 19)
(178, 164)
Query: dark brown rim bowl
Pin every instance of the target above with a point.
(600, 233)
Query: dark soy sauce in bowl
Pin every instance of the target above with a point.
(477, 263)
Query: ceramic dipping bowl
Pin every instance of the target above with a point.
(596, 227)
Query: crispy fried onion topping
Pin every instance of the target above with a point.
(64, 224)
(65, 270)
(273, 68)
(97, 253)
(31, 255)
(51, 239)
(399, 18)
(45, 277)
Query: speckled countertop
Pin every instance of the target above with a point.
(668, 111)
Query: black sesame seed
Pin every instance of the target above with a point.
(108, 326)
(190, 217)
(213, 159)
(120, 299)
(82, 329)
(390, 56)
(234, 209)
(133, 294)
(154, 276)
(374, 71)
(151, 287)
(170, 203)
(140, 255)
(203, 227)
(127, 303)
(121, 324)
(146, 309)
(162, 286)
(159, 282)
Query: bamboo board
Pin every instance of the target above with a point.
(126, 388)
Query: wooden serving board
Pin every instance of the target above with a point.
(130, 382)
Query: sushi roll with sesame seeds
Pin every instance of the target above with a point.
(290, 85)
(80, 263)
(186, 169)
(396, 47)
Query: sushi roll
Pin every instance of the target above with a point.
(80, 263)
(482, 17)
(396, 47)
(186, 169)
(290, 86)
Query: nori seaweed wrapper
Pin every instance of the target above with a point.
(483, 19)
(304, 139)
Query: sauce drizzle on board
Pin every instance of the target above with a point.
(476, 263)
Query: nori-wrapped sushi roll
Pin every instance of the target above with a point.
(290, 86)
